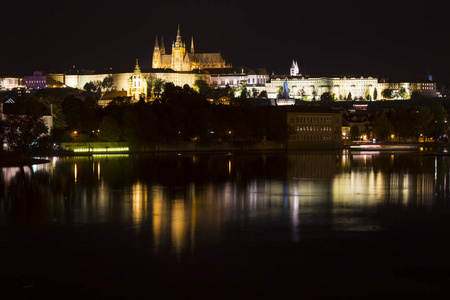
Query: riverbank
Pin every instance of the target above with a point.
(18, 160)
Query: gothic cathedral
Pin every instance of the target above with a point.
(179, 60)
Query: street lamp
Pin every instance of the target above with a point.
(75, 133)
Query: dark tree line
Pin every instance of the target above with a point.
(180, 114)
(411, 123)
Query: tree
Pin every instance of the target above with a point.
(402, 93)
(254, 92)
(22, 133)
(59, 119)
(381, 126)
(109, 129)
(375, 94)
(368, 96)
(426, 122)
(158, 84)
(244, 93)
(314, 94)
(89, 87)
(130, 120)
(263, 94)
(280, 92)
(440, 126)
(150, 79)
(415, 95)
(203, 88)
(108, 83)
(354, 132)
(386, 93)
(326, 97)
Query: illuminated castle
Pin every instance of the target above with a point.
(179, 60)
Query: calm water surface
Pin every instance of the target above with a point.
(306, 224)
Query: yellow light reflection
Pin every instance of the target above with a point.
(229, 167)
(75, 172)
(139, 204)
(98, 170)
(157, 216)
(178, 225)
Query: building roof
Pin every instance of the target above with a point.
(205, 57)
(113, 94)
(400, 80)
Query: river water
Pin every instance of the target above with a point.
(227, 225)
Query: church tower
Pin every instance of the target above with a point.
(156, 63)
(178, 52)
(294, 69)
(137, 85)
(192, 45)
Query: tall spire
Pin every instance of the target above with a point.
(156, 42)
(178, 42)
(163, 50)
(192, 45)
(137, 66)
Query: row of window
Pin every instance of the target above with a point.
(313, 138)
(313, 129)
(311, 119)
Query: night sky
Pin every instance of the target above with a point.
(377, 38)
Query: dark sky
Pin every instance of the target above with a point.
(378, 38)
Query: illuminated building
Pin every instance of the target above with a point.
(180, 60)
(344, 87)
(137, 85)
(314, 129)
(121, 79)
(10, 82)
(235, 77)
(425, 88)
(37, 81)
(306, 88)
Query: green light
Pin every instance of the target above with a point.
(123, 149)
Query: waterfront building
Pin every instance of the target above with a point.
(314, 129)
(36, 81)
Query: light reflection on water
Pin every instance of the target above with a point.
(182, 201)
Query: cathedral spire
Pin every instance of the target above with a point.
(178, 42)
(163, 50)
(192, 45)
(156, 42)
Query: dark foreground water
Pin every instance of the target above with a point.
(227, 226)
